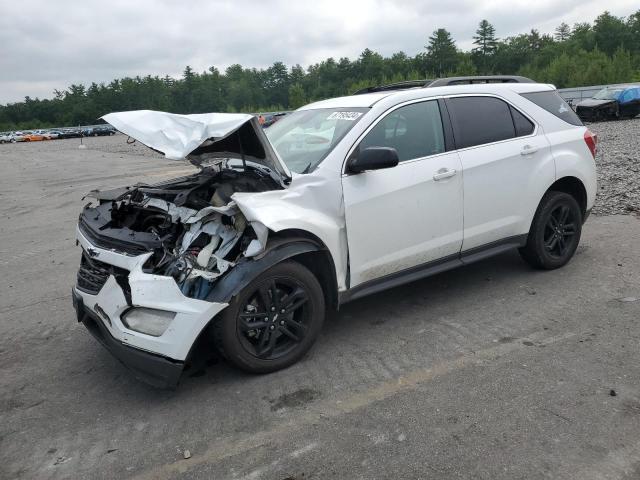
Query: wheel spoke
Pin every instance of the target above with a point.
(294, 300)
(551, 244)
(249, 315)
(265, 298)
(270, 345)
(564, 214)
(570, 229)
(262, 342)
(561, 245)
(300, 327)
(290, 334)
(274, 295)
(552, 223)
(246, 325)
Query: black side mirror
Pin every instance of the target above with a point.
(373, 158)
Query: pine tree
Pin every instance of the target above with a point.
(487, 44)
(297, 97)
(442, 54)
(563, 32)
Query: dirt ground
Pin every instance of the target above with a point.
(492, 371)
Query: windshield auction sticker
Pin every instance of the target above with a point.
(349, 116)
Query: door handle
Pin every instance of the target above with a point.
(444, 173)
(528, 150)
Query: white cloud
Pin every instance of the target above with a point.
(49, 45)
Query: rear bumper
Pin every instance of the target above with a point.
(153, 369)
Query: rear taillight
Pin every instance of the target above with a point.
(591, 139)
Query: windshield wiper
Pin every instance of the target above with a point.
(307, 168)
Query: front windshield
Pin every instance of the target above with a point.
(608, 94)
(304, 138)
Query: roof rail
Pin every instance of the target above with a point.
(443, 82)
(395, 86)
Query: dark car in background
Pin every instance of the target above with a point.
(620, 101)
(99, 131)
(71, 133)
(273, 118)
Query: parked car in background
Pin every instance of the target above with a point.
(5, 137)
(104, 131)
(381, 189)
(16, 137)
(621, 101)
(272, 118)
(47, 134)
(71, 133)
(33, 137)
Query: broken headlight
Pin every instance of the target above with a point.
(148, 320)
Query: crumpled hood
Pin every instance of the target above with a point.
(201, 137)
(594, 103)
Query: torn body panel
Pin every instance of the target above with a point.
(192, 227)
(148, 291)
(203, 139)
(312, 204)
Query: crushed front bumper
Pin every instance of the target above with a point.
(158, 360)
(153, 369)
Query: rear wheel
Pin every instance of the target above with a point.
(555, 232)
(274, 321)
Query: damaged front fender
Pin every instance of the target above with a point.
(246, 271)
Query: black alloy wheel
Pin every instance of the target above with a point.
(555, 231)
(560, 229)
(273, 321)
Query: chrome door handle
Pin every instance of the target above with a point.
(528, 150)
(444, 173)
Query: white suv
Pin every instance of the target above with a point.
(338, 200)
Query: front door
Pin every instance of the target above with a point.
(410, 214)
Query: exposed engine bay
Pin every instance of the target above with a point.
(191, 224)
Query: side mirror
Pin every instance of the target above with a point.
(373, 158)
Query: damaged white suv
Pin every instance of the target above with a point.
(340, 199)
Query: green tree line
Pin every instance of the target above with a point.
(607, 51)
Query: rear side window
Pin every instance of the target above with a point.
(553, 103)
(523, 124)
(415, 131)
(480, 120)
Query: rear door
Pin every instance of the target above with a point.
(505, 157)
(411, 214)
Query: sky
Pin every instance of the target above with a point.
(47, 45)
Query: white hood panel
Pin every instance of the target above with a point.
(176, 136)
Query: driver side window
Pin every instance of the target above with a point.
(415, 131)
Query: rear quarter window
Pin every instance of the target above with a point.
(552, 102)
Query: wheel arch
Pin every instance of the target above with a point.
(319, 262)
(296, 245)
(574, 187)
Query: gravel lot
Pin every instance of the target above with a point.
(618, 163)
(493, 371)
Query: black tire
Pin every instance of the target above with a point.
(255, 335)
(555, 232)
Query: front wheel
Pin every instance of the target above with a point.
(555, 232)
(274, 321)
